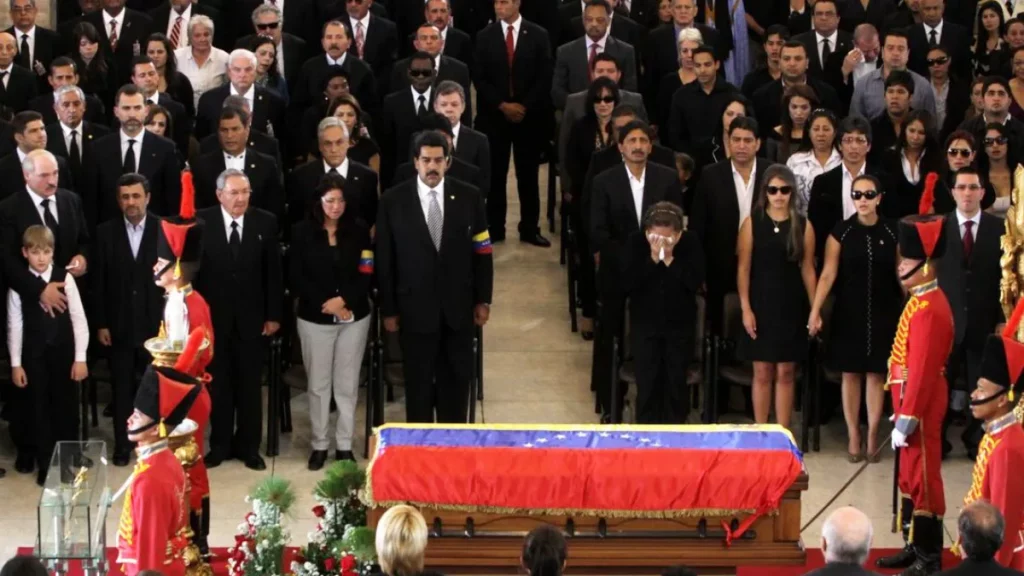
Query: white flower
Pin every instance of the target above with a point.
(309, 566)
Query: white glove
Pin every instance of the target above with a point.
(899, 439)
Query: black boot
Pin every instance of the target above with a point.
(927, 545)
(906, 556)
(196, 520)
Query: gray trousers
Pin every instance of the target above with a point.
(333, 355)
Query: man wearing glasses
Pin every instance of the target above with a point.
(996, 98)
(292, 50)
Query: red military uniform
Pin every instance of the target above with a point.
(199, 318)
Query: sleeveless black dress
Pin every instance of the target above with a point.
(777, 296)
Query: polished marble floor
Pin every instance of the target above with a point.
(536, 370)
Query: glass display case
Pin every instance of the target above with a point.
(73, 508)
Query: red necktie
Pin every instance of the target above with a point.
(968, 240)
(176, 32)
(590, 60)
(113, 34)
(510, 52)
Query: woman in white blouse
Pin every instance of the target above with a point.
(205, 66)
(818, 155)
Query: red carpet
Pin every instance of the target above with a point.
(816, 560)
(219, 563)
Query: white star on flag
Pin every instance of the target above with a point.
(605, 434)
(528, 445)
(625, 436)
(645, 440)
(560, 436)
(581, 434)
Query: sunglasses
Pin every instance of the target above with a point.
(420, 73)
(268, 26)
(604, 99)
(784, 190)
(868, 194)
(938, 61)
(997, 140)
(961, 152)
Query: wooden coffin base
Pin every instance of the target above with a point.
(470, 543)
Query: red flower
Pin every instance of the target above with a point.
(329, 563)
(319, 511)
(249, 515)
(348, 563)
(239, 538)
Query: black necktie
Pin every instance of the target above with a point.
(333, 171)
(129, 159)
(25, 56)
(423, 106)
(932, 38)
(826, 51)
(235, 241)
(76, 156)
(48, 218)
(3, 85)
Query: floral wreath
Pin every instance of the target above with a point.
(261, 539)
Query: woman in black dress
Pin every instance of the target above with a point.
(917, 153)
(988, 40)
(860, 262)
(174, 83)
(797, 103)
(776, 283)
(94, 76)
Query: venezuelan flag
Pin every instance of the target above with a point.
(482, 243)
(366, 262)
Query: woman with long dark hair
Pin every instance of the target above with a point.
(94, 76)
(174, 83)
(776, 282)
(989, 27)
(544, 552)
(267, 74)
(797, 103)
(917, 153)
(997, 166)
(818, 154)
(362, 148)
(330, 270)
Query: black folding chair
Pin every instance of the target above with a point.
(278, 401)
(550, 157)
(569, 255)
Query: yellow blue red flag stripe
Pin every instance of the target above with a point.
(482, 243)
(366, 262)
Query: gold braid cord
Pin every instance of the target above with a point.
(898, 356)
(985, 449)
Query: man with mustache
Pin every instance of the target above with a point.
(436, 275)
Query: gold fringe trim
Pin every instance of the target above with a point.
(648, 514)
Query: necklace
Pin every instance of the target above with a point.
(775, 223)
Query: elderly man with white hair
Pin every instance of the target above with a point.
(846, 543)
(268, 110)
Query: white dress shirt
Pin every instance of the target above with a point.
(342, 168)
(849, 209)
(424, 193)
(912, 173)
(416, 98)
(212, 74)
(16, 320)
(601, 43)
(37, 201)
(137, 147)
(67, 137)
(135, 234)
(938, 33)
(7, 73)
(636, 188)
(183, 30)
(744, 190)
(961, 218)
(831, 42)
(806, 168)
(18, 34)
(517, 29)
(228, 219)
(21, 155)
(236, 162)
(332, 61)
(118, 20)
(250, 95)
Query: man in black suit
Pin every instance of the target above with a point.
(826, 41)
(429, 40)
(374, 40)
(514, 111)
(37, 46)
(258, 141)
(19, 84)
(29, 134)
(268, 110)
(936, 30)
(72, 137)
(335, 42)
(906, 15)
(720, 205)
(457, 43)
(982, 533)
(176, 28)
(970, 276)
(886, 129)
(63, 73)
(574, 60)
(697, 107)
(436, 276)
(621, 27)
(131, 149)
(457, 169)
(300, 17)
(620, 197)
(793, 64)
(997, 97)
(262, 171)
(145, 76)
(846, 544)
(241, 278)
(123, 34)
(128, 305)
(292, 50)
(360, 180)
(40, 202)
(401, 113)
(470, 146)
(661, 55)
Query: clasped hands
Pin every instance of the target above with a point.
(336, 307)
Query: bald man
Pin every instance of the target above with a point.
(19, 85)
(846, 543)
(982, 532)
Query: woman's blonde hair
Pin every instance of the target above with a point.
(401, 541)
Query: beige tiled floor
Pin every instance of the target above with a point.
(536, 370)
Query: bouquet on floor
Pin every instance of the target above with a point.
(261, 539)
(341, 545)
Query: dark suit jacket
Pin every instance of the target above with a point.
(161, 17)
(622, 28)
(90, 132)
(572, 68)
(901, 18)
(14, 179)
(955, 38)
(530, 76)
(958, 101)
(423, 286)
(399, 121)
(844, 43)
(118, 304)
(458, 45)
(242, 293)
(451, 69)
(661, 56)
(180, 119)
(315, 275)
(473, 148)
(94, 110)
(609, 158)
(663, 299)
(972, 286)
(268, 111)
(7, 142)
(296, 51)
(768, 102)
(21, 89)
(835, 569)
(360, 190)
(380, 49)
(135, 28)
(458, 170)
(825, 205)
(972, 568)
(310, 85)
(264, 179)
(49, 45)
(715, 217)
(156, 161)
(301, 19)
(258, 141)
(18, 212)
